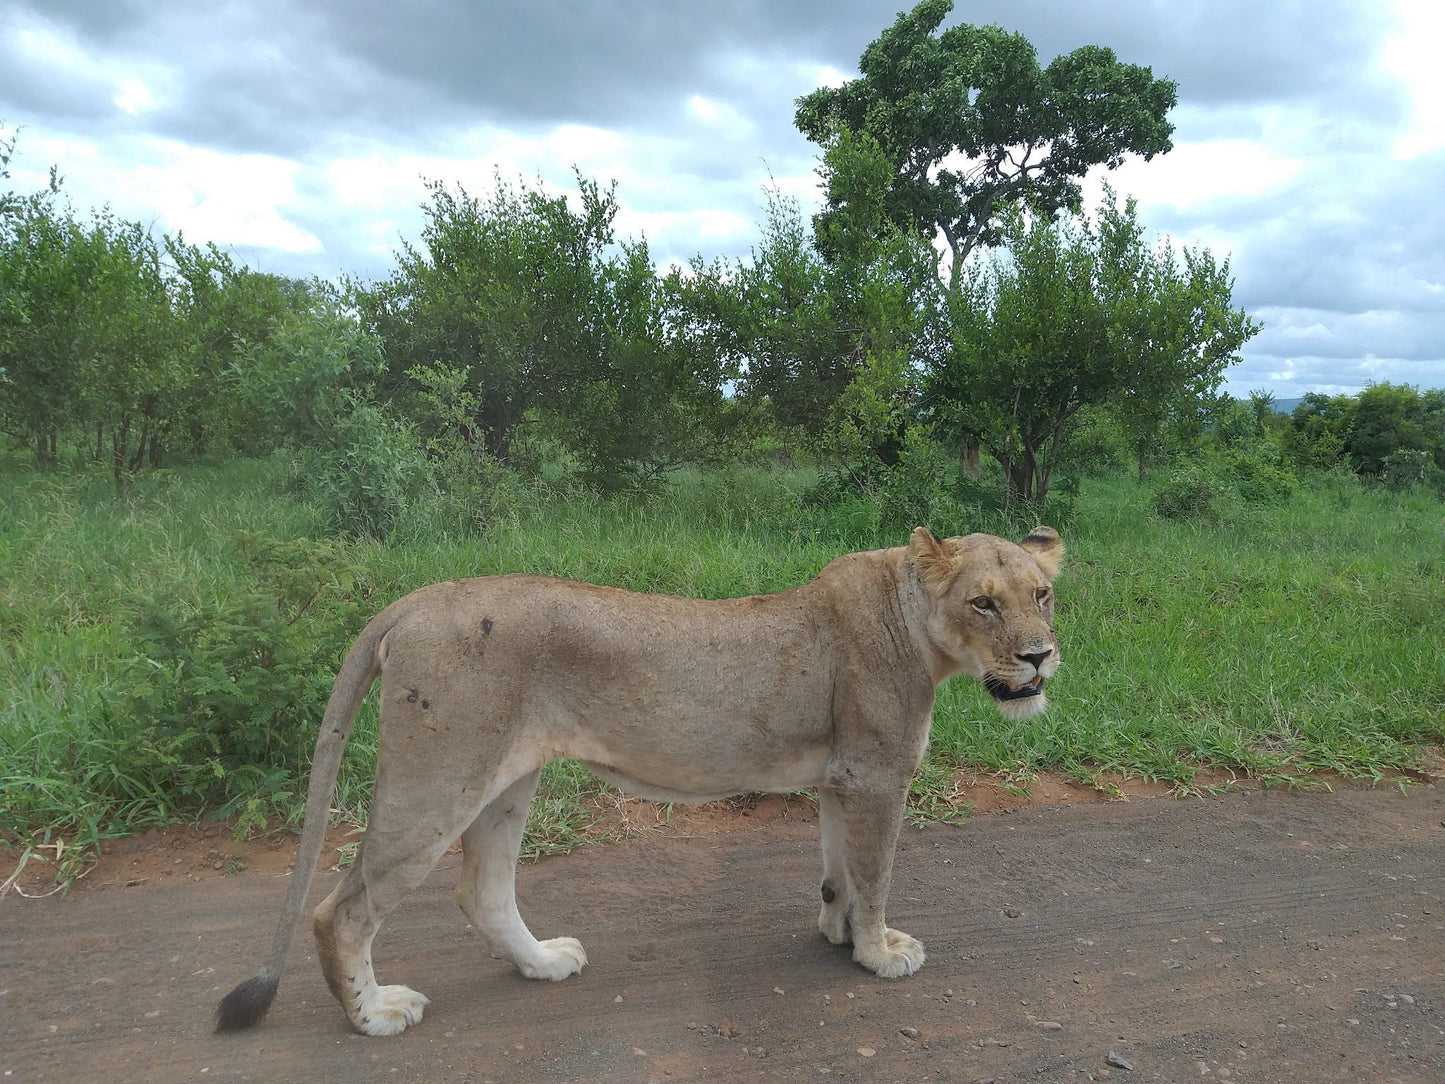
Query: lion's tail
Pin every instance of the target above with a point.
(248, 1002)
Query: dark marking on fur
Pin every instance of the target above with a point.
(486, 626)
(411, 696)
(425, 704)
(829, 893)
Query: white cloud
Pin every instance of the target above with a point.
(1412, 55)
(1193, 174)
(133, 96)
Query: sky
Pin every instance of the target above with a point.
(1309, 143)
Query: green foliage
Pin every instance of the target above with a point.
(1392, 432)
(121, 343)
(1405, 468)
(1191, 490)
(1319, 430)
(293, 384)
(1209, 486)
(1097, 444)
(1082, 313)
(544, 315)
(1394, 417)
(373, 477)
(826, 332)
(231, 691)
(1029, 133)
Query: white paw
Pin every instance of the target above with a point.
(389, 1011)
(556, 958)
(901, 955)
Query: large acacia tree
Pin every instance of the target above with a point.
(973, 124)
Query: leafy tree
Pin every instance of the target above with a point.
(1080, 312)
(1026, 132)
(226, 312)
(832, 345)
(1319, 430)
(1393, 417)
(535, 303)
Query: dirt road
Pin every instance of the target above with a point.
(1260, 936)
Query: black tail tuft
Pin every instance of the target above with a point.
(244, 1006)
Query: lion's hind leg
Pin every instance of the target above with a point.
(487, 895)
(347, 921)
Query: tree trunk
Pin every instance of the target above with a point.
(497, 418)
(969, 454)
(119, 441)
(1020, 479)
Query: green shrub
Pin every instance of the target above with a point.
(372, 476)
(1205, 486)
(1407, 468)
(1192, 490)
(230, 691)
(1257, 476)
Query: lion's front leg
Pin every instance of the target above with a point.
(869, 822)
(837, 889)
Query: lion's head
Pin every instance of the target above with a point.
(992, 610)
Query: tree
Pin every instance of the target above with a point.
(544, 314)
(498, 288)
(827, 330)
(1387, 419)
(1080, 312)
(1025, 132)
(1319, 430)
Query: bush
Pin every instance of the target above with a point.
(1192, 490)
(1406, 468)
(373, 476)
(1257, 475)
(1205, 486)
(230, 691)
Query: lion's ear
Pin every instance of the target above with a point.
(934, 563)
(1047, 549)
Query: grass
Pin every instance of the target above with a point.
(1293, 637)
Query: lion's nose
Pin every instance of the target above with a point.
(1036, 657)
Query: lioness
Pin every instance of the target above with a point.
(483, 681)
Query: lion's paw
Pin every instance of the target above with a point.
(901, 955)
(557, 958)
(389, 1011)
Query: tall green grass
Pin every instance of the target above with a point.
(1295, 636)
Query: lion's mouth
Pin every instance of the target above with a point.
(1000, 690)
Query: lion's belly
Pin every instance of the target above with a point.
(663, 779)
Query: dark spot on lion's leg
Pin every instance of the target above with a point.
(829, 893)
(486, 626)
(411, 696)
(425, 704)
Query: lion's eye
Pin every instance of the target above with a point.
(983, 604)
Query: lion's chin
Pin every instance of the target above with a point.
(1021, 703)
